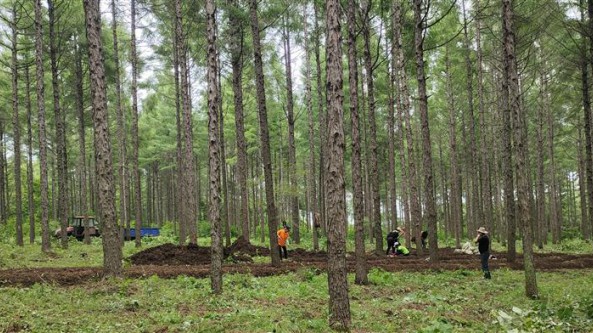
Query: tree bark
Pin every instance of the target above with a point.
(16, 130)
(520, 139)
(292, 166)
(45, 242)
(397, 66)
(401, 83)
(361, 276)
(473, 162)
(30, 158)
(188, 187)
(339, 305)
(214, 156)
(555, 202)
(431, 218)
(121, 128)
(179, 147)
(540, 186)
(236, 49)
(374, 168)
(587, 122)
(135, 145)
(112, 247)
(392, 141)
(60, 133)
(456, 200)
(322, 120)
(585, 228)
(507, 165)
(264, 132)
(311, 163)
(82, 166)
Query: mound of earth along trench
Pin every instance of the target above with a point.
(169, 261)
(169, 254)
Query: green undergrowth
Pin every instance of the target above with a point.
(455, 301)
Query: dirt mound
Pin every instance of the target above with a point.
(242, 247)
(169, 254)
(173, 255)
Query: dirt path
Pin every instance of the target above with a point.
(169, 261)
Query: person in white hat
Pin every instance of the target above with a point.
(483, 242)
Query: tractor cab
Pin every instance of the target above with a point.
(76, 225)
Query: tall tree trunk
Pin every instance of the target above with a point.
(226, 214)
(587, 118)
(456, 200)
(30, 157)
(264, 132)
(322, 120)
(188, 187)
(361, 277)
(431, 218)
(392, 141)
(236, 49)
(540, 186)
(121, 128)
(507, 167)
(311, 164)
(135, 148)
(292, 166)
(445, 193)
(214, 153)
(398, 92)
(401, 78)
(520, 139)
(585, 228)
(179, 147)
(45, 243)
(16, 126)
(339, 305)
(112, 247)
(484, 140)
(473, 162)
(82, 166)
(374, 169)
(555, 203)
(59, 119)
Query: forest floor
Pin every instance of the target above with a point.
(170, 261)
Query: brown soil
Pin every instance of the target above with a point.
(169, 261)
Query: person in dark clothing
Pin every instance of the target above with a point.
(483, 242)
(423, 238)
(392, 238)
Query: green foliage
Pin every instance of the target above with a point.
(572, 313)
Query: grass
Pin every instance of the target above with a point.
(458, 301)
(449, 301)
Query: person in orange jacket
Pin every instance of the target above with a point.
(283, 235)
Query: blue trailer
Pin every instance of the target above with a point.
(144, 232)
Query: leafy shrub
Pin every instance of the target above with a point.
(574, 245)
(379, 276)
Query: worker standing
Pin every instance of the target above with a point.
(483, 242)
(283, 235)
